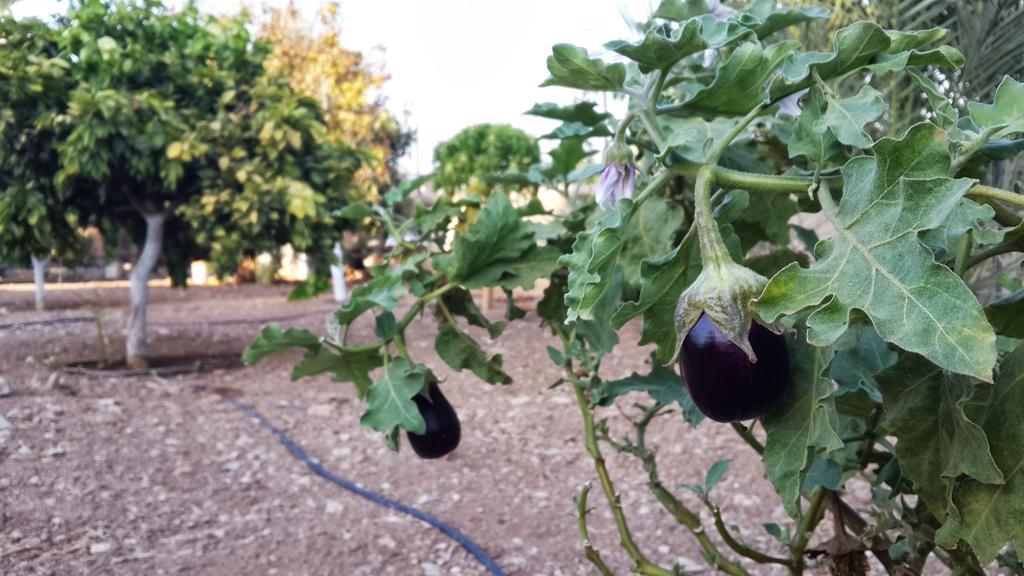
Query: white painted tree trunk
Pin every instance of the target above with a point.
(338, 275)
(39, 276)
(135, 341)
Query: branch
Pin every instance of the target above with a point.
(748, 437)
(682, 514)
(806, 528)
(591, 553)
(739, 547)
(642, 564)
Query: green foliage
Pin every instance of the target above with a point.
(464, 161)
(913, 302)
(899, 377)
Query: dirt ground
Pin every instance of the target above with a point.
(149, 475)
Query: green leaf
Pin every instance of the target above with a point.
(852, 48)
(386, 326)
(693, 137)
(461, 352)
(556, 356)
(805, 423)
(581, 112)
(992, 515)
(1007, 315)
(662, 47)
(663, 279)
(817, 146)
(460, 303)
(741, 81)
(876, 264)
(492, 251)
(859, 356)
(967, 216)
(680, 10)
(384, 291)
(775, 17)
(769, 264)
(766, 218)
(578, 130)
(389, 401)
(273, 340)
(933, 416)
(357, 212)
(592, 261)
(570, 66)
(661, 383)
(945, 115)
(650, 235)
(1006, 112)
(352, 367)
(846, 117)
(714, 474)
(595, 332)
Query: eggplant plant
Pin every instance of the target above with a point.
(843, 299)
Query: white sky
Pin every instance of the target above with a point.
(459, 62)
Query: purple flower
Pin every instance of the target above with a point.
(617, 182)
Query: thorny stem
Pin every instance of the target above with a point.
(682, 514)
(655, 184)
(641, 564)
(805, 530)
(591, 553)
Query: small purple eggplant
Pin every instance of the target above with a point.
(724, 384)
(443, 431)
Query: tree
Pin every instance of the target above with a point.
(173, 122)
(316, 64)
(467, 160)
(36, 220)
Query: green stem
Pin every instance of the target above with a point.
(739, 547)
(642, 564)
(657, 183)
(748, 437)
(728, 178)
(620, 132)
(963, 252)
(806, 529)
(970, 149)
(1014, 245)
(588, 548)
(713, 252)
(400, 346)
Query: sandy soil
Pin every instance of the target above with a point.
(151, 476)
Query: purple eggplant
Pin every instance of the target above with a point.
(724, 384)
(443, 431)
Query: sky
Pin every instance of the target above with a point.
(454, 63)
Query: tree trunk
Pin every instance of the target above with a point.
(135, 341)
(338, 275)
(39, 275)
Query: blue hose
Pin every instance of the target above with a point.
(319, 470)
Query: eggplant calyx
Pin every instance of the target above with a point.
(724, 293)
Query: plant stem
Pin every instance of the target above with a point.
(970, 149)
(655, 184)
(739, 547)
(806, 529)
(620, 131)
(1014, 245)
(642, 564)
(728, 178)
(713, 253)
(682, 514)
(748, 437)
(963, 252)
(588, 549)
